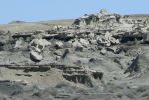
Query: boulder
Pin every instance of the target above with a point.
(35, 56)
(93, 42)
(102, 40)
(91, 35)
(59, 44)
(113, 49)
(79, 48)
(104, 12)
(18, 43)
(2, 32)
(58, 53)
(84, 42)
(103, 51)
(107, 39)
(38, 44)
(77, 45)
(36, 47)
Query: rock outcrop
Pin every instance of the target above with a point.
(96, 51)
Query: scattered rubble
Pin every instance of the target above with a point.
(98, 51)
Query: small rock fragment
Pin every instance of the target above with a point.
(103, 51)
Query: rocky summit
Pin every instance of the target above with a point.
(103, 56)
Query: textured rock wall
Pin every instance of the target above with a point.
(96, 51)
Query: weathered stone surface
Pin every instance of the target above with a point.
(104, 53)
(35, 56)
(59, 44)
(36, 47)
(84, 42)
(76, 44)
(19, 43)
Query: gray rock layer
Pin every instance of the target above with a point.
(100, 55)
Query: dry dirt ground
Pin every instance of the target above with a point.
(32, 26)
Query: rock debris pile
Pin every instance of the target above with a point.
(96, 51)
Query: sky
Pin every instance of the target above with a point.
(42, 10)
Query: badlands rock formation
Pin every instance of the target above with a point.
(103, 56)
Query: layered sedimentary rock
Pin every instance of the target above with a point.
(97, 50)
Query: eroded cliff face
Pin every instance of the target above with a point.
(99, 54)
